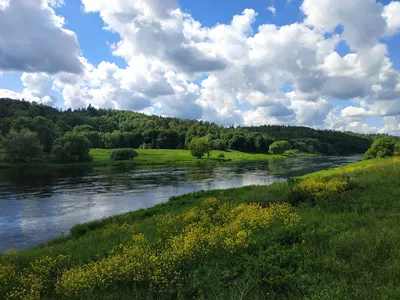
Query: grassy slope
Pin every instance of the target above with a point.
(347, 247)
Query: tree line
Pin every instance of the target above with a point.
(58, 132)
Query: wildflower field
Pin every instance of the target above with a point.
(329, 235)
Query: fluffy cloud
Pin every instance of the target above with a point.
(391, 13)
(32, 39)
(235, 73)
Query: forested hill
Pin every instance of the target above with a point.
(106, 128)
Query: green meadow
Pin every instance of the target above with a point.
(329, 235)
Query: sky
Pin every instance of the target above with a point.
(329, 64)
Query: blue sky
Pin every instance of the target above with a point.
(315, 86)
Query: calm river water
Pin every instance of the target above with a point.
(39, 204)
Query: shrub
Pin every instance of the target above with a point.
(200, 146)
(397, 147)
(22, 146)
(72, 147)
(279, 147)
(381, 148)
(123, 154)
(318, 189)
(291, 153)
(221, 155)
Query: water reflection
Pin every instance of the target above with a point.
(39, 204)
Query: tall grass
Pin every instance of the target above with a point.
(339, 238)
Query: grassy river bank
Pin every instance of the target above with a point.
(327, 235)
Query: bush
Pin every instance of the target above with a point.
(381, 148)
(397, 148)
(291, 153)
(22, 146)
(123, 154)
(72, 147)
(279, 147)
(218, 145)
(200, 146)
(221, 155)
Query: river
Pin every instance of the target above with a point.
(39, 204)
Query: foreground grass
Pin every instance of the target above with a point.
(340, 239)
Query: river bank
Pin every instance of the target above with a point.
(157, 157)
(329, 235)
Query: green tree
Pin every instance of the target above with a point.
(123, 154)
(279, 147)
(382, 147)
(22, 146)
(218, 144)
(200, 146)
(47, 132)
(72, 147)
(397, 147)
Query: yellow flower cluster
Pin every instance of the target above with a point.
(38, 278)
(321, 189)
(184, 238)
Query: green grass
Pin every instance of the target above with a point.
(166, 157)
(345, 247)
(158, 157)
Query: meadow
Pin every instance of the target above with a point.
(328, 235)
(169, 157)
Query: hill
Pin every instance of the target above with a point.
(109, 129)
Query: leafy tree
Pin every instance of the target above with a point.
(382, 147)
(279, 147)
(72, 147)
(200, 146)
(83, 128)
(47, 132)
(22, 146)
(123, 154)
(397, 147)
(218, 144)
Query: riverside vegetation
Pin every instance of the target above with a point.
(39, 134)
(328, 235)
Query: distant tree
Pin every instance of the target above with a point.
(200, 146)
(218, 144)
(279, 147)
(22, 146)
(83, 128)
(72, 147)
(47, 132)
(381, 148)
(123, 154)
(397, 147)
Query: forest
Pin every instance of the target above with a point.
(38, 129)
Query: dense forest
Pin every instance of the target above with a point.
(110, 129)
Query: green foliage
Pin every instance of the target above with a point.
(218, 144)
(83, 128)
(381, 148)
(199, 147)
(397, 147)
(248, 244)
(22, 146)
(279, 147)
(123, 154)
(72, 147)
(291, 153)
(221, 155)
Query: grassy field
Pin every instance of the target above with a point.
(165, 157)
(159, 157)
(330, 235)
